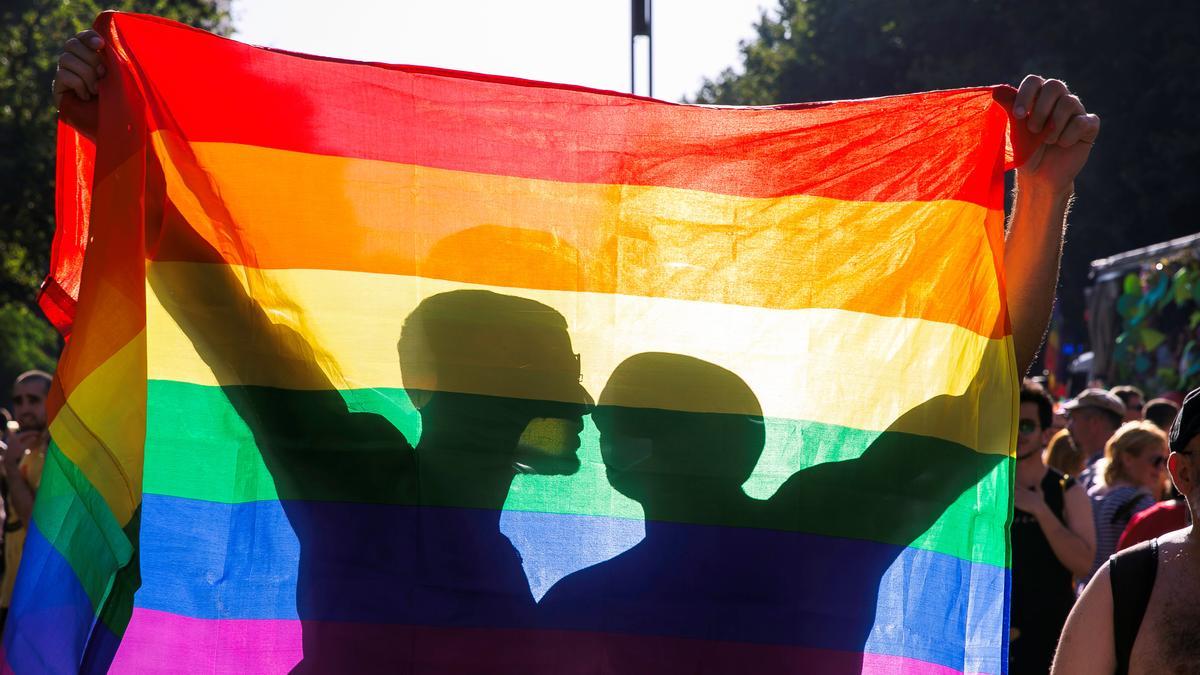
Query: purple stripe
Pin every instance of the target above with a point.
(163, 642)
(383, 564)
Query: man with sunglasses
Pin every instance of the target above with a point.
(1053, 539)
(1140, 612)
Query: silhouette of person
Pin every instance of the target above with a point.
(393, 535)
(718, 565)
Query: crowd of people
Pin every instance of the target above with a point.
(1091, 481)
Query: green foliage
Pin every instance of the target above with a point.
(1159, 311)
(32, 33)
(1133, 64)
(28, 340)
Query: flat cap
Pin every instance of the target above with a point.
(1100, 399)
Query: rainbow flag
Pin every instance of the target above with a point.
(398, 369)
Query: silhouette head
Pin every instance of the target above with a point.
(497, 369)
(670, 424)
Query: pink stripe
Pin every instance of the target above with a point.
(163, 642)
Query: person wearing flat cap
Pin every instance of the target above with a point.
(1140, 611)
(1092, 418)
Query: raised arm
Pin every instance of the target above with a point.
(1045, 186)
(267, 369)
(312, 444)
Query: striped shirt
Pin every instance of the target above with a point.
(1112, 509)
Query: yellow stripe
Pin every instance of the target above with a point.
(271, 208)
(102, 427)
(837, 367)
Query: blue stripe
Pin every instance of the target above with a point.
(452, 567)
(51, 615)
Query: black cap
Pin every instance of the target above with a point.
(1187, 422)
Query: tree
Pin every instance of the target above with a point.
(32, 33)
(1133, 64)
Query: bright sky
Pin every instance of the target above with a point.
(573, 41)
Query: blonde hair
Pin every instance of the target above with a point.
(1132, 439)
(1063, 456)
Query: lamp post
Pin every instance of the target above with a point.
(640, 26)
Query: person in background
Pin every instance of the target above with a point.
(1129, 481)
(1165, 516)
(1053, 540)
(23, 461)
(1139, 613)
(1063, 455)
(1162, 412)
(1093, 417)
(1169, 514)
(1133, 398)
(1060, 419)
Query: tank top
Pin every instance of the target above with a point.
(1042, 593)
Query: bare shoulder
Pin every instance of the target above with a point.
(1166, 641)
(1174, 540)
(1086, 645)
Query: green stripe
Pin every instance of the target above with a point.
(922, 492)
(76, 520)
(118, 606)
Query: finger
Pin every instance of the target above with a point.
(64, 81)
(1025, 95)
(85, 72)
(86, 54)
(90, 38)
(87, 46)
(1047, 98)
(1080, 129)
(1066, 108)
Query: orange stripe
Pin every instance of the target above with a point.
(276, 209)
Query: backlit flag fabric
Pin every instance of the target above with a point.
(396, 369)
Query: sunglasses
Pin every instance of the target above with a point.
(1026, 427)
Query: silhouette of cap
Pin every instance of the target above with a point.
(1187, 422)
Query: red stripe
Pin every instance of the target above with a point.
(100, 258)
(938, 145)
